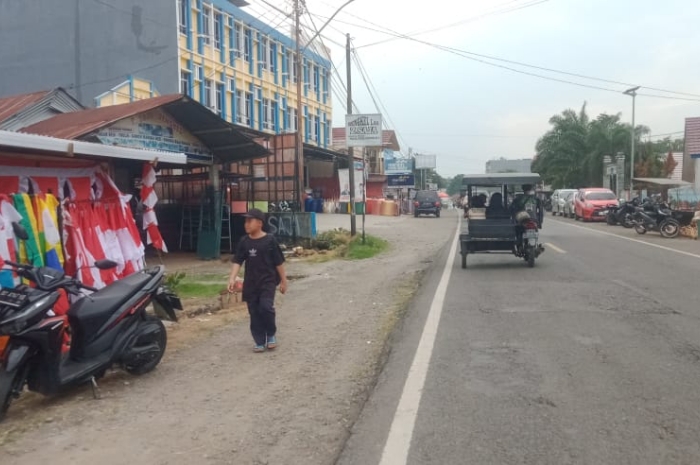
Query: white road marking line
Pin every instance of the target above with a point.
(401, 432)
(662, 247)
(555, 248)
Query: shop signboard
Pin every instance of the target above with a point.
(394, 165)
(155, 130)
(401, 180)
(426, 162)
(363, 130)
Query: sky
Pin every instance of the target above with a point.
(467, 112)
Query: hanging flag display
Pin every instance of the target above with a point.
(149, 199)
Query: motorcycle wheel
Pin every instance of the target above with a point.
(143, 367)
(628, 221)
(640, 228)
(530, 257)
(669, 229)
(611, 220)
(8, 382)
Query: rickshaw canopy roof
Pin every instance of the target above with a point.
(499, 179)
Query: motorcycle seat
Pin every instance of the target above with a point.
(89, 314)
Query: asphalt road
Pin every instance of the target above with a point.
(592, 357)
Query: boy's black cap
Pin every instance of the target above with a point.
(255, 214)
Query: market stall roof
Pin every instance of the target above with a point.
(226, 141)
(18, 141)
(497, 179)
(663, 181)
(319, 153)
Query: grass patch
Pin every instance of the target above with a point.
(373, 245)
(188, 290)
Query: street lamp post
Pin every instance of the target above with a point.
(633, 93)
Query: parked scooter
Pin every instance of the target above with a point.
(622, 214)
(108, 327)
(656, 217)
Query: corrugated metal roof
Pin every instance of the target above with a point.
(389, 139)
(10, 106)
(226, 141)
(80, 123)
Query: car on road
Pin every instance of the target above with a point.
(591, 203)
(559, 200)
(568, 209)
(427, 203)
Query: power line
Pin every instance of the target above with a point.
(470, 55)
(461, 22)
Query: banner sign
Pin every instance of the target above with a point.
(393, 165)
(401, 180)
(363, 130)
(426, 162)
(155, 130)
(344, 179)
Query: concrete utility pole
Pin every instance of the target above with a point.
(351, 158)
(632, 92)
(299, 151)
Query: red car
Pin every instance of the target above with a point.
(591, 204)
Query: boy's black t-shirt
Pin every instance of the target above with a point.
(261, 257)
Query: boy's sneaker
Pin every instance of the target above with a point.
(259, 349)
(271, 342)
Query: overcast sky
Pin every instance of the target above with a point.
(467, 112)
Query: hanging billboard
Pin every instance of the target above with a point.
(401, 180)
(363, 130)
(426, 162)
(393, 165)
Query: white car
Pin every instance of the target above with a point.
(559, 200)
(569, 210)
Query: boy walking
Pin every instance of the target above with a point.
(264, 271)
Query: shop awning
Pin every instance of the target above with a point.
(226, 141)
(663, 181)
(18, 141)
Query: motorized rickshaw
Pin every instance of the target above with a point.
(497, 220)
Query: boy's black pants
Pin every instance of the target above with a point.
(261, 307)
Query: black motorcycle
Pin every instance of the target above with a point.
(656, 217)
(108, 327)
(622, 214)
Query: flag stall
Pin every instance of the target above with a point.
(74, 217)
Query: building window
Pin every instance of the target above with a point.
(207, 93)
(238, 39)
(314, 128)
(293, 120)
(293, 67)
(205, 33)
(219, 102)
(263, 44)
(182, 8)
(271, 56)
(244, 104)
(200, 73)
(315, 72)
(232, 85)
(185, 82)
(218, 30)
(247, 45)
(268, 114)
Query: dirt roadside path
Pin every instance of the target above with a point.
(219, 403)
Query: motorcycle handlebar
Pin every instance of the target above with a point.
(15, 265)
(88, 288)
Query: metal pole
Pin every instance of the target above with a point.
(364, 191)
(351, 158)
(634, 98)
(299, 142)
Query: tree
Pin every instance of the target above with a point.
(454, 185)
(669, 165)
(571, 153)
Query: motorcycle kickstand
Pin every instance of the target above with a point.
(95, 389)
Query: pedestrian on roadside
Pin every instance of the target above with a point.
(264, 271)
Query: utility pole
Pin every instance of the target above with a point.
(299, 141)
(633, 93)
(351, 158)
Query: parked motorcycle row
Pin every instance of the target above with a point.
(649, 215)
(49, 352)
